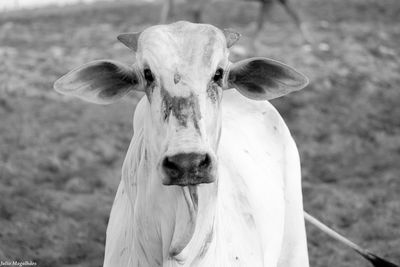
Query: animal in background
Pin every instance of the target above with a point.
(197, 8)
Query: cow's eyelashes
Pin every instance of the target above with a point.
(148, 75)
(218, 75)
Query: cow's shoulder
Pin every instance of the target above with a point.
(259, 116)
(254, 130)
(253, 143)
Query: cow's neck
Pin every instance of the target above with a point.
(180, 219)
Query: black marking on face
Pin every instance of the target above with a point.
(177, 78)
(213, 92)
(182, 108)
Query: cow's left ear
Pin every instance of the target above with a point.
(264, 79)
(100, 82)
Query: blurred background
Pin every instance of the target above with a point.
(60, 158)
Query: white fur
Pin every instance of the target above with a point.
(254, 210)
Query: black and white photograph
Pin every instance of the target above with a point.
(204, 133)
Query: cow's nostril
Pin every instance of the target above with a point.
(171, 168)
(205, 162)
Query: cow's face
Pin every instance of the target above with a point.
(183, 69)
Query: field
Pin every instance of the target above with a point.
(60, 158)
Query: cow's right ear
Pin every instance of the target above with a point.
(100, 82)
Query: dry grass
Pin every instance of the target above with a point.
(60, 159)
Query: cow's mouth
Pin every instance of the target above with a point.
(190, 180)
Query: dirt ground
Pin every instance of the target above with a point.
(60, 158)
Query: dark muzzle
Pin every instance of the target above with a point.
(188, 169)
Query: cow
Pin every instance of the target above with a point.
(212, 174)
(197, 8)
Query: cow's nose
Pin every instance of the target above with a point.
(187, 168)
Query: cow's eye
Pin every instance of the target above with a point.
(148, 75)
(218, 75)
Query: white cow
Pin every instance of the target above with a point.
(211, 178)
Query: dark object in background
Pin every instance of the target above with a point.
(378, 262)
(372, 258)
(197, 8)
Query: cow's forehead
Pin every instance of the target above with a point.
(183, 45)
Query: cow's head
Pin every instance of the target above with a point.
(183, 68)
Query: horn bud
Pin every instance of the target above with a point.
(231, 37)
(129, 39)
